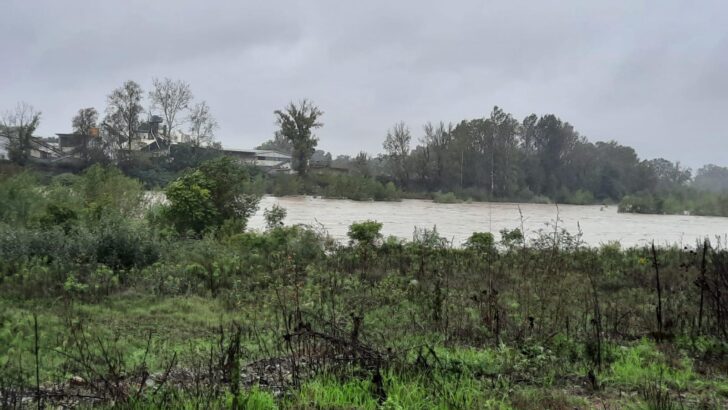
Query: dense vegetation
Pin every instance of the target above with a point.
(493, 158)
(108, 300)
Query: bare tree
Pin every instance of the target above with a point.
(122, 113)
(202, 125)
(397, 145)
(296, 123)
(172, 97)
(83, 124)
(18, 126)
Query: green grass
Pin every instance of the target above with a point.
(644, 363)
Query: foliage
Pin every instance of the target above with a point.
(678, 201)
(365, 233)
(447, 198)
(485, 326)
(215, 192)
(482, 242)
(274, 216)
(297, 122)
(17, 128)
(123, 115)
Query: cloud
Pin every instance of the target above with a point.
(647, 74)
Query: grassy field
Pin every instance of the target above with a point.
(103, 305)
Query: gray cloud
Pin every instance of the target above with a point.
(645, 73)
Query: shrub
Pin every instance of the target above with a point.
(218, 191)
(481, 242)
(274, 216)
(365, 233)
(106, 189)
(447, 198)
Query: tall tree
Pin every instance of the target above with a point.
(397, 146)
(669, 175)
(438, 139)
(712, 178)
(18, 126)
(83, 124)
(297, 123)
(555, 141)
(504, 169)
(172, 97)
(123, 111)
(202, 125)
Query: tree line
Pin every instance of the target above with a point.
(495, 157)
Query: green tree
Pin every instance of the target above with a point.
(297, 123)
(190, 203)
(123, 114)
(218, 191)
(83, 124)
(17, 127)
(711, 178)
(274, 216)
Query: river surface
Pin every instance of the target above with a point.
(599, 224)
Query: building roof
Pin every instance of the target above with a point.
(258, 152)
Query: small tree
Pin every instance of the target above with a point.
(18, 126)
(191, 207)
(216, 192)
(274, 216)
(296, 124)
(481, 242)
(365, 236)
(123, 114)
(365, 233)
(85, 120)
(202, 125)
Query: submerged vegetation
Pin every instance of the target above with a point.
(106, 300)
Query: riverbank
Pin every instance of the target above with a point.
(287, 320)
(107, 302)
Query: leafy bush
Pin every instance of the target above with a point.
(447, 198)
(481, 242)
(274, 216)
(365, 233)
(217, 191)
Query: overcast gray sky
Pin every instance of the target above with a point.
(650, 74)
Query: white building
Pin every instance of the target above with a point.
(272, 161)
(3, 148)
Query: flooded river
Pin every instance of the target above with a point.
(457, 221)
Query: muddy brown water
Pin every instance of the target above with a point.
(599, 224)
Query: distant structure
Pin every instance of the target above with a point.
(3, 148)
(271, 161)
(149, 139)
(40, 149)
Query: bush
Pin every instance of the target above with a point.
(481, 242)
(274, 216)
(218, 191)
(365, 233)
(448, 198)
